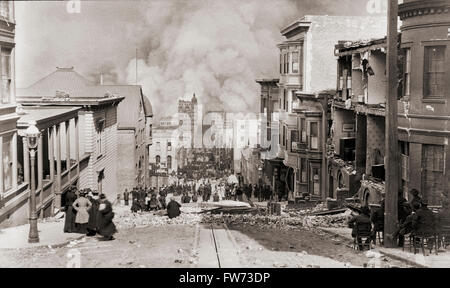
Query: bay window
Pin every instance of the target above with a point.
(295, 58)
(7, 163)
(5, 75)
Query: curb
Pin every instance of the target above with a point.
(58, 245)
(393, 256)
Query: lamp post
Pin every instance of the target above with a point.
(32, 133)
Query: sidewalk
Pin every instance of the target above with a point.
(442, 260)
(50, 233)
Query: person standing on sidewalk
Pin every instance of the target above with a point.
(93, 213)
(106, 225)
(69, 221)
(82, 205)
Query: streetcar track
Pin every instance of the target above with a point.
(215, 246)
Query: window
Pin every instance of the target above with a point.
(150, 131)
(303, 130)
(158, 146)
(294, 139)
(284, 99)
(169, 162)
(314, 135)
(157, 159)
(281, 63)
(284, 136)
(100, 177)
(434, 72)
(5, 75)
(100, 125)
(433, 180)
(169, 146)
(303, 170)
(295, 59)
(7, 164)
(407, 72)
(315, 179)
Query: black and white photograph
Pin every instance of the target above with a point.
(255, 135)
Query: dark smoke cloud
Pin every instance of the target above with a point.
(211, 47)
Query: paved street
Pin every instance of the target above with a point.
(193, 244)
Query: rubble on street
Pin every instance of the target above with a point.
(124, 218)
(288, 220)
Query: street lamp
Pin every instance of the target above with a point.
(32, 133)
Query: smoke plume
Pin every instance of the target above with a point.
(214, 48)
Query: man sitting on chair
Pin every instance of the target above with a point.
(424, 221)
(361, 227)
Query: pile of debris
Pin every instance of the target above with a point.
(334, 220)
(260, 221)
(131, 220)
(294, 212)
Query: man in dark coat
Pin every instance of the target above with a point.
(126, 197)
(377, 218)
(69, 221)
(361, 225)
(416, 198)
(162, 201)
(153, 204)
(404, 210)
(406, 226)
(173, 208)
(106, 225)
(93, 212)
(142, 196)
(424, 221)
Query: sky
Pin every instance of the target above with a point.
(213, 48)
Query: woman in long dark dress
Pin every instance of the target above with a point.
(106, 225)
(93, 212)
(69, 221)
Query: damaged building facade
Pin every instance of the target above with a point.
(357, 143)
(356, 151)
(306, 57)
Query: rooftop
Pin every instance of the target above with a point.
(66, 85)
(46, 116)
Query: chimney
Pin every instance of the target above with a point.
(101, 78)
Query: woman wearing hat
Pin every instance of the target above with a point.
(82, 205)
(106, 226)
(69, 220)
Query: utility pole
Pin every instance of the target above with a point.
(391, 132)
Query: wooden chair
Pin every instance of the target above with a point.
(423, 240)
(363, 232)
